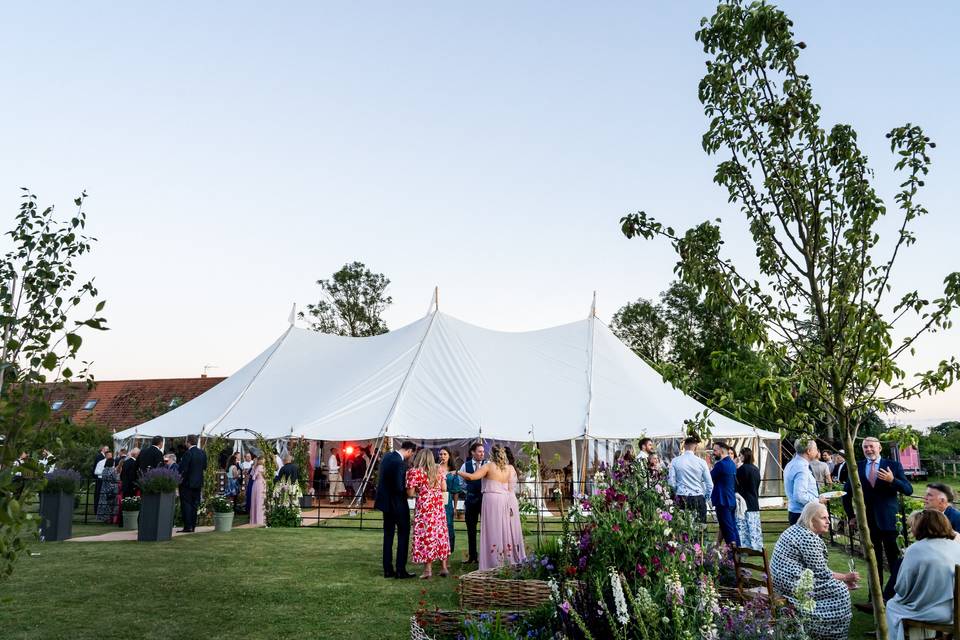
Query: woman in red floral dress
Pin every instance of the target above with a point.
(430, 541)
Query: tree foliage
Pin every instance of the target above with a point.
(352, 303)
(820, 306)
(41, 294)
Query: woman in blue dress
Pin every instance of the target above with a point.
(454, 486)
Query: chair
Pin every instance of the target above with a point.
(750, 587)
(945, 630)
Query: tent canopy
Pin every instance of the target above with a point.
(440, 377)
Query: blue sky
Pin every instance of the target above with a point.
(236, 152)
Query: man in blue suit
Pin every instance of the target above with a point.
(192, 465)
(882, 480)
(392, 502)
(724, 495)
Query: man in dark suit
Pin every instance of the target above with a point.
(392, 502)
(128, 474)
(192, 466)
(152, 456)
(289, 471)
(724, 495)
(882, 480)
(840, 471)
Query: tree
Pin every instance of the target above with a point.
(352, 302)
(40, 293)
(820, 306)
(695, 348)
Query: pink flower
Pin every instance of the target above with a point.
(616, 528)
(565, 606)
(641, 570)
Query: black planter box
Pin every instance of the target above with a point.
(306, 502)
(56, 516)
(156, 517)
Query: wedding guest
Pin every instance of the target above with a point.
(335, 487)
(454, 487)
(724, 494)
(247, 466)
(426, 481)
(801, 547)
(689, 476)
(109, 488)
(128, 474)
(799, 483)
(501, 537)
(234, 475)
(289, 471)
(391, 501)
(655, 467)
(258, 493)
(881, 480)
(152, 456)
(170, 462)
(748, 486)
(924, 588)
(98, 463)
(473, 503)
(193, 464)
(939, 497)
(647, 448)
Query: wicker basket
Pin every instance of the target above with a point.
(487, 590)
(439, 625)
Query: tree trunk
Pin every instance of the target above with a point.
(860, 510)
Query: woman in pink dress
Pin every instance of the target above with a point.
(427, 482)
(258, 494)
(501, 538)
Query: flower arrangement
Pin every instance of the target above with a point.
(63, 481)
(219, 504)
(159, 480)
(284, 508)
(130, 503)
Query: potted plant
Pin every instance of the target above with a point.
(222, 511)
(130, 507)
(156, 510)
(56, 504)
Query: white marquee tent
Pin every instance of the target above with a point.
(442, 378)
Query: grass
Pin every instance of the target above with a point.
(256, 583)
(250, 583)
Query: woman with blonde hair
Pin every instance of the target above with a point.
(427, 482)
(501, 537)
(258, 491)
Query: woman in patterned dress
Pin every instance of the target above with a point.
(427, 482)
(748, 486)
(799, 548)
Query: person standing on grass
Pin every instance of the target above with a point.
(427, 482)
(473, 503)
(724, 494)
(501, 538)
(454, 487)
(748, 486)
(152, 456)
(882, 481)
(192, 466)
(689, 476)
(258, 493)
(391, 501)
(798, 481)
(335, 487)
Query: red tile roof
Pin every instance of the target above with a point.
(125, 403)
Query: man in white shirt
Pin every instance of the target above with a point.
(474, 498)
(647, 446)
(689, 476)
(335, 487)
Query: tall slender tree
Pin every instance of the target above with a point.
(821, 304)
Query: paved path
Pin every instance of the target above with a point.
(123, 534)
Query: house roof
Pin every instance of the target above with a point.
(119, 404)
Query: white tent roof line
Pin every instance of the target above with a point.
(440, 377)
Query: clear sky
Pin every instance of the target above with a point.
(236, 152)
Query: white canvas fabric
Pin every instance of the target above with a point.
(441, 377)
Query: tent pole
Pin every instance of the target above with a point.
(586, 423)
(574, 469)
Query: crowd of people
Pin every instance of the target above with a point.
(489, 487)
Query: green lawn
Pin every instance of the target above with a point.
(252, 583)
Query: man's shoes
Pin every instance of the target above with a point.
(404, 576)
(184, 530)
(389, 574)
(865, 607)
